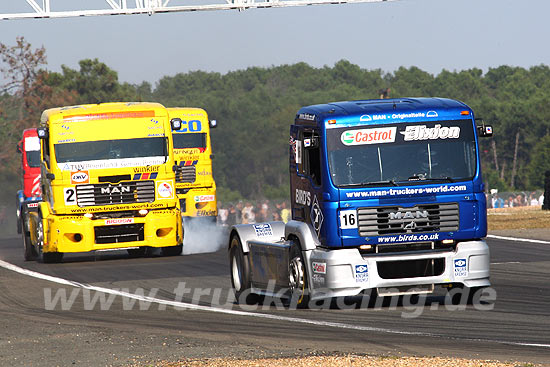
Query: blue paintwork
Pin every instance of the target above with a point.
(471, 199)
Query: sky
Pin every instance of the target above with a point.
(430, 34)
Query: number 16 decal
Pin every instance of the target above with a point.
(348, 219)
(69, 195)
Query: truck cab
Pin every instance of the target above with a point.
(386, 195)
(107, 180)
(29, 148)
(195, 185)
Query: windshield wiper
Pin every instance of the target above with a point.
(419, 178)
(372, 183)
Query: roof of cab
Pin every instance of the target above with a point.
(97, 108)
(186, 109)
(373, 106)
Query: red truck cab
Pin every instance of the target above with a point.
(29, 147)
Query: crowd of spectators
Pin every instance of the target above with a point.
(244, 212)
(248, 212)
(512, 200)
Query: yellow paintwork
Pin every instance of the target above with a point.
(63, 218)
(198, 198)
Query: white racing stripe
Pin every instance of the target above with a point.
(517, 239)
(191, 306)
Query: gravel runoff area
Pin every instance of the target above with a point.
(341, 361)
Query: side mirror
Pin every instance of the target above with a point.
(19, 148)
(42, 132)
(312, 142)
(176, 123)
(485, 131)
(213, 124)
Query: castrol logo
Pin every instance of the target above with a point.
(80, 177)
(369, 136)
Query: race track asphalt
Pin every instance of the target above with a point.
(97, 328)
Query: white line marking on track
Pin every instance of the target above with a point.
(191, 306)
(517, 239)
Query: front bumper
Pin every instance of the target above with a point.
(338, 273)
(159, 228)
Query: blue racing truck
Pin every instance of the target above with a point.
(387, 195)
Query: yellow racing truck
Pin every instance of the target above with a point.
(108, 182)
(195, 186)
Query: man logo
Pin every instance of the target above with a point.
(115, 189)
(409, 215)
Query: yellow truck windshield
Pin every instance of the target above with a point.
(189, 140)
(111, 149)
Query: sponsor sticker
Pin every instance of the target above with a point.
(204, 172)
(318, 279)
(303, 197)
(361, 273)
(316, 216)
(306, 116)
(165, 190)
(263, 229)
(369, 136)
(148, 169)
(32, 143)
(32, 205)
(80, 177)
(204, 198)
(319, 268)
(461, 267)
(119, 221)
(111, 163)
(422, 132)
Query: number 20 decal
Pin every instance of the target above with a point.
(348, 219)
(69, 193)
(193, 125)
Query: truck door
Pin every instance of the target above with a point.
(306, 179)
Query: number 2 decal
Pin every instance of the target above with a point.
(69, 195)
(348, 219)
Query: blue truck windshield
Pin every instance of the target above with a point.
(404, 153)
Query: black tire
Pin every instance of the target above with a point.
(29, 252)
(240, 273)
(298, 277)
(171, 250)
(46, 257)
(19, 224)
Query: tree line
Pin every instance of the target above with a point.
(254, 108)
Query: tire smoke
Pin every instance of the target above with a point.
(202, 237)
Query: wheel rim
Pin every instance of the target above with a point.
(236, 273)
(296, 279)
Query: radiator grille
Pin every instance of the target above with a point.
(122, 193)
(186, 174)
(378, 221)
(119, 233)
